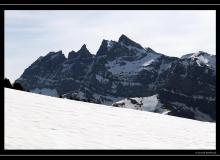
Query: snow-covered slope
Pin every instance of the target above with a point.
(202, 58)
(34, 121)
(131, 68)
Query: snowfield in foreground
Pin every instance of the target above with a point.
(35, 121)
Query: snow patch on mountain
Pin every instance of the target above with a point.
(151, 104)
(106, 99)
(121, 66)
(202, 58)
(148, 63)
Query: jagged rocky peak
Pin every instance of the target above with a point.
(196, 54)
(124, 38)
(128, 42)
(72, 55)
(83, 49)
(84, 52)
(105, 47)
(126, 66)
(53, 55)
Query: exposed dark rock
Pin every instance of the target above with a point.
(186, 86)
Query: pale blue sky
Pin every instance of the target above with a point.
(31, 34)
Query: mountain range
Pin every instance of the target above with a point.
(124, 74)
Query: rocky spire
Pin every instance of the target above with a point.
(84, 52)
(127, 41)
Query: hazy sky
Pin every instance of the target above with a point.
(31, 34)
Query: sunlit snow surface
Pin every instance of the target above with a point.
(35, 121)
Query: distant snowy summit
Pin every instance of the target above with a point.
(123, 69)
(202, 58)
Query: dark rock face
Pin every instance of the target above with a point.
(7, 83)
(128, 42)
(186, 86)
(72, 55)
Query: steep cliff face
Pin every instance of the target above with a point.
(55, 72)
(185, 86)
